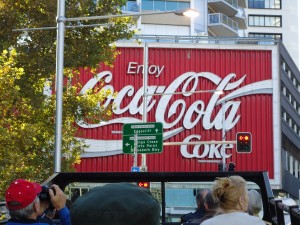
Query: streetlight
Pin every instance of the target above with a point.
(61, 19)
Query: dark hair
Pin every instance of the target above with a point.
(200, 198)
(210, 201)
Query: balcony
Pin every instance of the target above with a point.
(227, 7)
(221, 25)
(241, 19)
(131, 6)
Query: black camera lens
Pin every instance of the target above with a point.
(44, 194)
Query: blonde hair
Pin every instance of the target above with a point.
(229, 190)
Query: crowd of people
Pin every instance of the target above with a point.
(229, 202)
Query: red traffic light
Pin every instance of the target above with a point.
(243, 137)
(144, 184)
(243, 142)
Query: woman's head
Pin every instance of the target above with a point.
(232, 193)
(255, 202)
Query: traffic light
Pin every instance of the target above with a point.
(144, 184)
(243, 142)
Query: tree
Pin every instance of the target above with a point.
(86, 46)
(28, 116)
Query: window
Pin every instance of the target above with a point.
(147, 5)
(264, 4)
(264, 21)
(164, 5)
(265, 35)
(159, 5)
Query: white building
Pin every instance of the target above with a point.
(224, 18)
(276, 19)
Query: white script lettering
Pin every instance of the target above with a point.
(134, 68)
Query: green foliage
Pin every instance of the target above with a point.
(28, 116)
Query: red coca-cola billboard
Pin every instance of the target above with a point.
(180, 79)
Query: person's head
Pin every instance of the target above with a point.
(210, 202)
(116, 204)
(22, 199)
(255, 202)
(200, 198)
(232, 193)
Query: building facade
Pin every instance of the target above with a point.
(225, 18)
(261, 84)
(275, 19)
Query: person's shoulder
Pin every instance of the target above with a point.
(187, 216)
(252, 219)
(243, 218)
(217, 219)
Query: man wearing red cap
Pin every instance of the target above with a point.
(24, 207)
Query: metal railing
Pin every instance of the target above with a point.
(131, 6)
(234, 3)
(202, 39)
(220, 18)
(282, 214)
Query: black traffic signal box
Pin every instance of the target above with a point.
(243, 142)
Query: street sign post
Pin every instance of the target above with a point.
(149, 137)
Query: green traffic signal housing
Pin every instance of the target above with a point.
(243, 142)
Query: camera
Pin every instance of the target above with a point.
(44, 194)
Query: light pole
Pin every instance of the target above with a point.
(59, 82)
(61, 19)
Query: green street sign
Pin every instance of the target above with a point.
(149, 137)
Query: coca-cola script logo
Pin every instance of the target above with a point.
(189, 82)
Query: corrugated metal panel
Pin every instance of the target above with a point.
(255, 110)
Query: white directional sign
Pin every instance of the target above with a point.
(149, 137)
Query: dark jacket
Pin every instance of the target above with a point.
(209, 214)
(63, 214)
(198, 214)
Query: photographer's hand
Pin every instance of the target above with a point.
(58, 199)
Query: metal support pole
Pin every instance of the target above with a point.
(223, 136)
(145, 90)
(59, 82)
(135, 151)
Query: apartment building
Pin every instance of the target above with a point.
(224, 18)
(275, 19)
(217, 17)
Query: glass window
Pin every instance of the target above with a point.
(256, 4)
(264, 21)
(159, 5)
(266, 35)
(147, 5)
(171, 5)
(164, 5)
(264, 4)
(183, 5)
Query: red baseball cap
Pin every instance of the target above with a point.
(21, 193)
